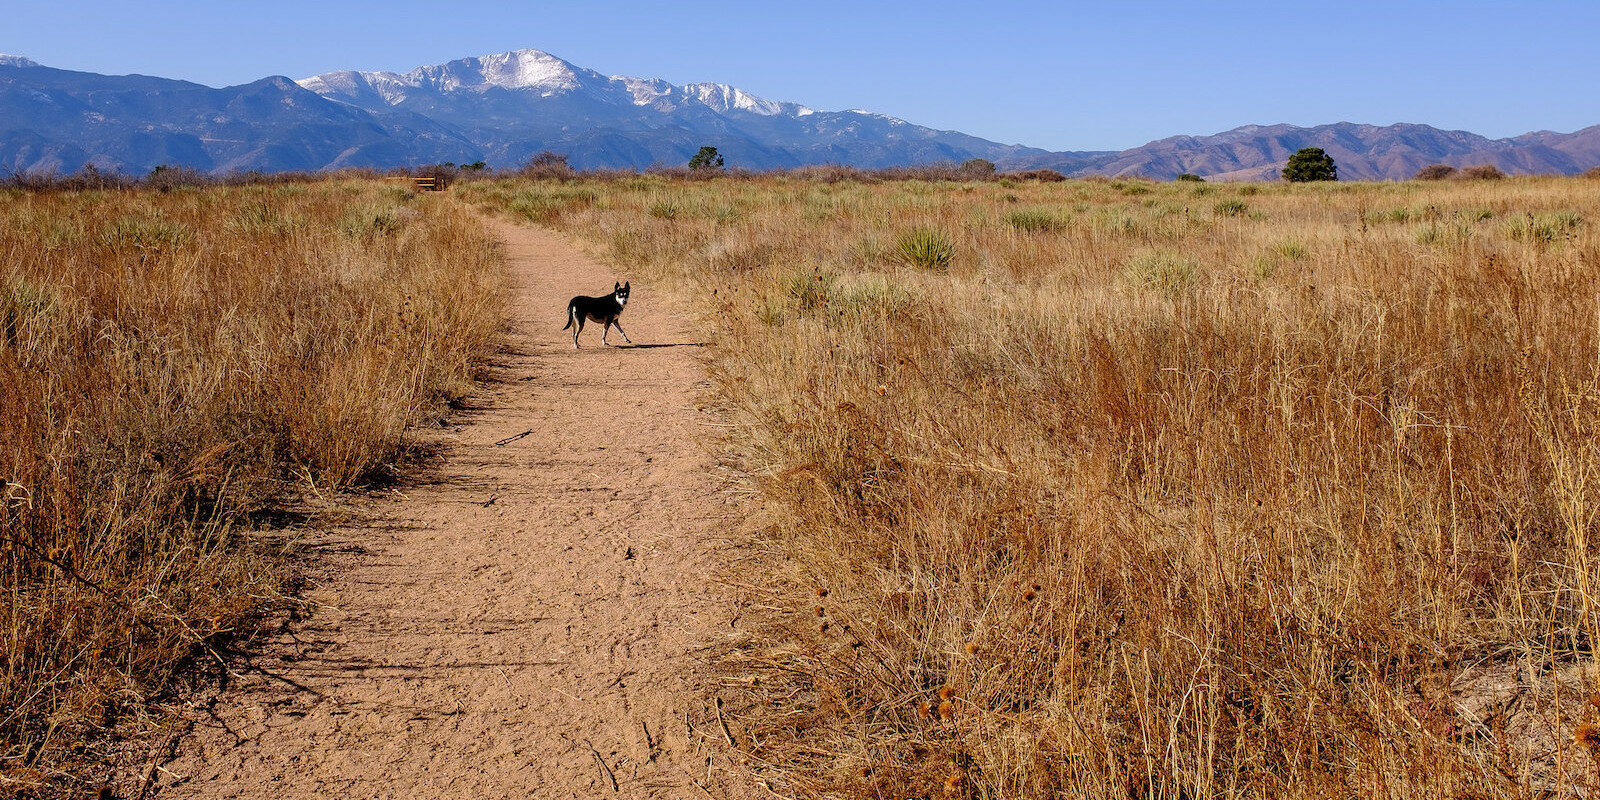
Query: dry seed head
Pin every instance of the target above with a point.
(1594, 698)
(953, 783)
(1029, 595)
(972, 648)
(821, 592)
(824, 627)
(946, 692)
(1588, 735)
(821, 611)
(947, 709)
(924, 710)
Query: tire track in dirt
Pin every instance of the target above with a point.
(514, 626)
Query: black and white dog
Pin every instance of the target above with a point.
(606, 309)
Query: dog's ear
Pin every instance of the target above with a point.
(627, 286)
(618, 286)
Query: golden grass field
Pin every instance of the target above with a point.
(1077, 489)
(1126, 489)
(172, 366)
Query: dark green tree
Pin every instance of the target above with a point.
(1310, 164)
(1190, 176)
(707, 158)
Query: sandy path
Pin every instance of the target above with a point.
(520, 647)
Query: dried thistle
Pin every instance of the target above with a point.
(1588, 735)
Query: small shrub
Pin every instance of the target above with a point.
(548, 166)
(166, 178)
(976, 169)
(1481, 172)
(1592, 172)
(1040, 175)
(1190, 177)
(925, 248)
(1435, 172)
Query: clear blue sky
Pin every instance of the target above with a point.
(1065, 76)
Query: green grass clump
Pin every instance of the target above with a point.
(1164, 271)
(1544, 228)
(1036, 220)
(925, 248)
(1232, 207)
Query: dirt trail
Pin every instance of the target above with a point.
(515, 626)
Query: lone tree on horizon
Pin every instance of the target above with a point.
(1310, 164)
(707, 158)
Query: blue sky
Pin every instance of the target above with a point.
(1065, 76)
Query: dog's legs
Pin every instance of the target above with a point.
(577, 329)
(624, 333)
(605, 333)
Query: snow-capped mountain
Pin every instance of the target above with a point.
(537, 74)
(507, 107)
(515, 104)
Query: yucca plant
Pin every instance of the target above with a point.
(925, 248)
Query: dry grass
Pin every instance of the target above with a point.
(1152, 490)
(171, 364)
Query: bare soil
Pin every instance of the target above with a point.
(530, 620)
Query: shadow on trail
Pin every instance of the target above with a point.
(650, 346)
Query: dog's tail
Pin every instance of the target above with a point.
(572, 313)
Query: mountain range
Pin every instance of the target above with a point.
(504, 108)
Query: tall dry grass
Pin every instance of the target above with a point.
(173, 364)
(1151, 490)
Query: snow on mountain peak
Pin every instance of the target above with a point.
(527, 69)
(722, 97)
(538, 71)
(16, 61)
(645, 91)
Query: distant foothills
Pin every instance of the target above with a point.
(503, 109)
